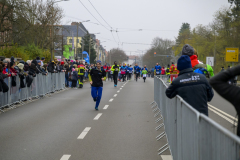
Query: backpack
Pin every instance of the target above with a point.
(202, 71)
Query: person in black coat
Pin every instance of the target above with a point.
(192, 87)
(231, 93)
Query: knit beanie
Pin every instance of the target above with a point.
(184, 62)
(187, 50)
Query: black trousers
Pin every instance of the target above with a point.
(74, 83)
(129, 76)
(115, 78)
(123, 77)
(137, 75)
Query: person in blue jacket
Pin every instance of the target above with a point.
(130, 71)
(137, 71)
(158, 69)
(123, 70)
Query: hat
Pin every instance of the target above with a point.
(11, 64)
(21, 62)
(62, 63)
(43, 58)
(20, 65)
(98, 61)
(37, 58)
(184, 62)
(187, 50)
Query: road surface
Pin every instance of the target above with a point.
(66, 126)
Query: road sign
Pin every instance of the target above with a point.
(232, 54)
(210, 61)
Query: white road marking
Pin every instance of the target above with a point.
(111, 100)
(115, 95)
(118, 91)
(65, 157)
(98, 116)
(167, 157)
(84, 133)
(224, 117)
(106, 106)
(120, 88)
(223, 112)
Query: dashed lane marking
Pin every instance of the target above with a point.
(120, 88)
(84, 133)
(167, 157)
(65, 157)
(106, 107)
(98, 116)
(111, 100)
(115, 95)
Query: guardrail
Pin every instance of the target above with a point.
(192, 135)
(40, 86)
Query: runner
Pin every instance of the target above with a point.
(96, 78)
(127, 73)
(105, 68)
(130, 72)
(158, 69)
(110, 73)
(115, 69)
(137, 70)
(145, 69)
(123, 70)
(119, 73)
(144, 73)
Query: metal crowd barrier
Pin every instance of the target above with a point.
(192, 135)
(41, 86)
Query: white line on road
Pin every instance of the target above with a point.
(120, 88)
(111, 100)
(115, 95)
(118, 91)
(106, 106)
(223, 112)
(167, 157)
(65, 157)
(98, 116)
(84, 133)
(224, 117)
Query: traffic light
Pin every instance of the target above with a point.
(155, 54)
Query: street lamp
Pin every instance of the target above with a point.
(77, 39)
(52, 48)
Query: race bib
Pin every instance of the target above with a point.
(111, 72)
(157, 72)
(116, 69)
(137, 72)
(144, 75)
(105, 69)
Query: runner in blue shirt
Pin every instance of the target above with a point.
(158, 69)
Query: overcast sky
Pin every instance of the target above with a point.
(162, 18)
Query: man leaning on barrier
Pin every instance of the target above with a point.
(192, 87)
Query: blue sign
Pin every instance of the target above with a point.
(87, 57)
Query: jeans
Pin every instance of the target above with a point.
(97, 93)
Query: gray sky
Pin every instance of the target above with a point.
(165, 16)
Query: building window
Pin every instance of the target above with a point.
(70, 49)
(70, 40)
(78, 41)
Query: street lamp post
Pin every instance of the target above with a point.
(52, 48)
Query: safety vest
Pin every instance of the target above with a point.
(81, 70)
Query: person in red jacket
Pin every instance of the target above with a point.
(105, 68)
(109, 73)
(172, 68)
(163, 71)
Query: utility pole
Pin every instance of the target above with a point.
(135, 59)
(76, 43)
(110, 57)
(215, 49)
(89, 49)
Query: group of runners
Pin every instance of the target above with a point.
(116, 72)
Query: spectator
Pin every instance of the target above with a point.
(74, 77)
(3, 86)
(230, 92)
(42, 61)
(21, 75)
(192, 87)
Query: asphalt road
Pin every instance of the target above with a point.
(63, 127)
